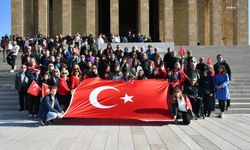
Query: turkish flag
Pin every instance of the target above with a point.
(45, 89)
(137, 99)
(209, 61)
(34, 89)
(182, 51)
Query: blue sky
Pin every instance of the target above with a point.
(5, 17)
(5, 20)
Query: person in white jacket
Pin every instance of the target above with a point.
(11, 58)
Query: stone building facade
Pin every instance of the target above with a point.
(211, 22)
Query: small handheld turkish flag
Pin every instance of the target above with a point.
(209, 61)
(45, 90)
(34, 89)
(182, 51)
(137, 99)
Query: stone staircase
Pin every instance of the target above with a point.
(9, 102)
(240, 94)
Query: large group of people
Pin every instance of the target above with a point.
(63, 62)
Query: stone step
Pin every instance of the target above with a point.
(240, 80)
(234, 111)
(15, 113)
(7, 86)
(10, 98)
(9, 107)
(7, 79)
(4, 81)
(6, 89)
(239, 91)
(8, 102)
(240, 95)
(239, 84)
(236, 105)
(8, 93)
(240, 100)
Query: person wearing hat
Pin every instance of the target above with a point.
(50, 108)
(22, 85)
(181, 107)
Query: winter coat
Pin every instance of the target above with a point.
(222, 94)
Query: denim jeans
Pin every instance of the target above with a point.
(51, 115)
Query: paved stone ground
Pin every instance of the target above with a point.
(18, 132)
(233, 132)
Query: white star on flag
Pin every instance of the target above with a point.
(127, 98)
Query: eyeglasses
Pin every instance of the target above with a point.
(64, 73)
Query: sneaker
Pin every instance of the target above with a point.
(12, 71)
(219, 115)
(14, 68)
(222, 115)
(208, 115)
(43, 123)
(30, 116)
(35, 115)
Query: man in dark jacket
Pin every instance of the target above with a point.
(222, 62)
(21, 85)
(192, 90)
(50, 108)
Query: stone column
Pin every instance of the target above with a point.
(193, 26)
(17, 17)
(207, 22)
(216, 31)
(57, 17)
(242, 22)
(90, 26)
(166, 20)
(43, 17)
(114, 17)
(66, 17)
(143, 17)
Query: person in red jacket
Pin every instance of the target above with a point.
(63, 90)
(75, 79)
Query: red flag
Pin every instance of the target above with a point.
(182, 51)
(45, 90)
(137, 99)
(209, 61)
(34, 89)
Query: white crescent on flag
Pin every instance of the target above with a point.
(94, 94)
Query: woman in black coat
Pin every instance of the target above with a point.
(207, 93)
